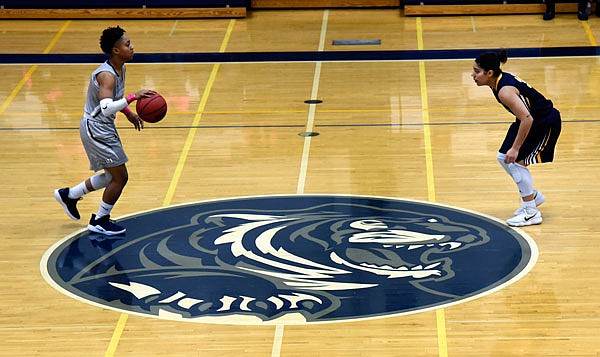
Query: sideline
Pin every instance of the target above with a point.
(439, 313)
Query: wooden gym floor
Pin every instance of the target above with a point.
(385, 127)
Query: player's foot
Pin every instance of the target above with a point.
(549, 15)
(69, 204)
(582, 15)
(104, 225)
(538, 197)
(528, 217)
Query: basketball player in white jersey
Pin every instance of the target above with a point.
(99, 133)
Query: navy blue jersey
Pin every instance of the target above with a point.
(542, 136)
(538, 106)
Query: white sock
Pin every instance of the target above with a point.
(104, 209)
(529, 204)
(78, 191)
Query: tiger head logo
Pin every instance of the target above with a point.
(312, 264)
(341, 252)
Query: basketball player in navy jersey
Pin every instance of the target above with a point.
(99, 134)
(531, 139)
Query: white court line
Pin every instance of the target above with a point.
(278, 340)
(312, 109)
(173, 28)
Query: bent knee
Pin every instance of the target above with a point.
(121, 180)
(119, 177)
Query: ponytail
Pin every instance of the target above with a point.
(491, 61)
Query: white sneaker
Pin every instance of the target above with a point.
(538, 197)
(528, 217)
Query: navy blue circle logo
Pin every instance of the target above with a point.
(291, 259)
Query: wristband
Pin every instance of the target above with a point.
(126, 111)
(130, 98)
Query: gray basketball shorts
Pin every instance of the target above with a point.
(102, 144)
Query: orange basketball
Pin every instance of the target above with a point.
(151, 109)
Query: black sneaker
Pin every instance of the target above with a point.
(582, 15)
(69, 204)
(549, 15)
(104, 225)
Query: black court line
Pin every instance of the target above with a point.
(308, 56)
(298, 126)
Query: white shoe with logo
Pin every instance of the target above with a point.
(527, 217)
(538, 197)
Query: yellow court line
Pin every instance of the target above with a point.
(440, 315)
(427, 134)
(197, 117)
(425, 113)
(589, 33)
(17, 89)
(114, 341)
(57, 37)
(32, 69)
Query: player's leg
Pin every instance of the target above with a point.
(115, 187)
(582, 10)
(69, 196)
(528, 213)
(521, 175)
(96, 138)
(101, 222)
(550, 10)
(518, 171)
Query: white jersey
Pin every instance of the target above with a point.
(92, 103)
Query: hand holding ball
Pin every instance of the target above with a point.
(151, 109)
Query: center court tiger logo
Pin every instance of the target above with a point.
(291, 259)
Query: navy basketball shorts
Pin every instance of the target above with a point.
(540, 142)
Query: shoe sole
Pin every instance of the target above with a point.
(98, 229)
(59, 199)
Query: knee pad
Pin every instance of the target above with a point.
(525, 183)
(100, 180)
(515, 172)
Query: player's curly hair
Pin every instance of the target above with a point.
(109, 38)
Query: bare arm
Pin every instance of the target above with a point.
(510, 97)
(106, 82)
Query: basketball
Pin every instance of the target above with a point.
(151, 109)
